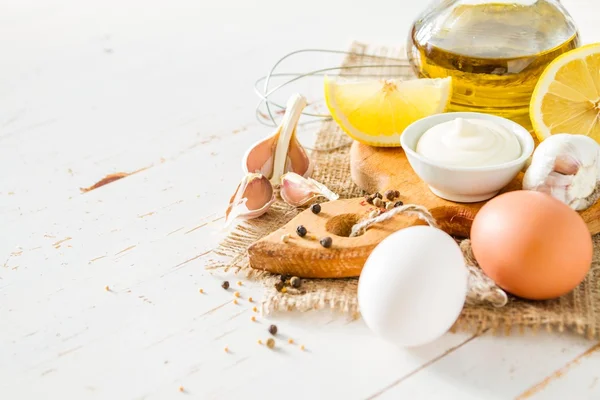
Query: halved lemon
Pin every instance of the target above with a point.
(566, 99)
(376, 112)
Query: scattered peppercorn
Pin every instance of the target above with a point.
(315, 208)
(239, 283)
(259, 341)
(378, 195)
(253, 318)
(291, 341)
(273, 329)
(237, 294)
(279, 285)
(270, 343)
(226, 349)
(390, 205)
(399, 204)
(295, 282)
(301, 230)
(235, 301)
(302, 347)
(181, 389)
(283, 278)
(369, 198)
(396, 194)
(390, 194)
(107, 288)
(284, 290)
(254, 309)
(225, 285)
(250, 300)
(326, 242)
(201, 290)
(377, 202)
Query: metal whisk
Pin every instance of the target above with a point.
(268, 109)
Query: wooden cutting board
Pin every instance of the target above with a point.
(306, 258)
(376, 169)
(373, 170)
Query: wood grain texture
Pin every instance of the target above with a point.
(305, 257)
(378, 169)
(136, 83)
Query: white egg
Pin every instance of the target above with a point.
(413, 286)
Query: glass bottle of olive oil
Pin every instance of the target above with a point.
(495, 51)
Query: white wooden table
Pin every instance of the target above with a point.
(91, 89)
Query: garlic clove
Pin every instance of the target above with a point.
(252, 198)
(260, 157)
(568, 168)
(298, 161)
(281, 152)
(566, 164)
(297, 190)
(293, 111)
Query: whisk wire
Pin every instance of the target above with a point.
(264, 95)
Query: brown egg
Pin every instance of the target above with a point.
(532, 245)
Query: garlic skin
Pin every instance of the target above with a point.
(567, 167)
(252, 198)
(281, 152)
(298, 191)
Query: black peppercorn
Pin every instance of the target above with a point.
(225, 285)
(390, 194)
(295, 282)
(396, 194)
(315, 208)
(378, 195)
(279, 286)
(301, 230)
(398, 204)
(284, 278)
(326, 242)
(273, 330)
(369, 199)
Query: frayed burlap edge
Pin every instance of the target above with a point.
(578, 311)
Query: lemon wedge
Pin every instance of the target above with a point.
(376, 112)
(566, 99)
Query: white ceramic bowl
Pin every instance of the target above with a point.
(464, 184)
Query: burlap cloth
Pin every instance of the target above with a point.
(578, 311)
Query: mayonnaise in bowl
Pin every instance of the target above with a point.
(466, 157)
(466, 142)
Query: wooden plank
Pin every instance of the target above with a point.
(491, 367)
(123, 86)
(581, 372)
(153, 311)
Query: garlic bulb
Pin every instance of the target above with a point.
(252, 198)
(298, 191)
(280, 152)
(568, 168)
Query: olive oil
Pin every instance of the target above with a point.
(495, 52)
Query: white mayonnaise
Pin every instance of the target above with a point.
(469, 143)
